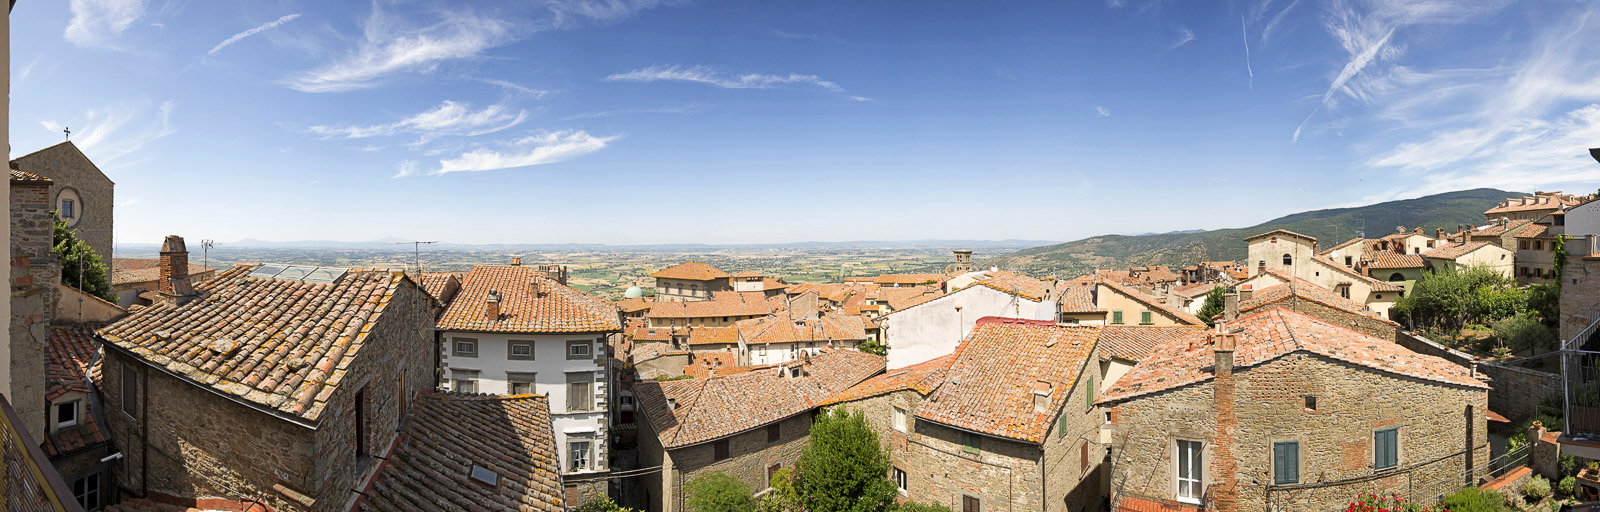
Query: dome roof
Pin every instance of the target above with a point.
(633, 292)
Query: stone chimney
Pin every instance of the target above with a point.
(534, 288)
(1041, 397)
(1230, 305)
(1439, 233)
(1225, 496)
(491, 306)
(173, 286)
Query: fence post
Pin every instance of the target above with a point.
(1543, 457)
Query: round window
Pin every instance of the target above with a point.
(69, 206)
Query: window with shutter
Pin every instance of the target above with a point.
(1116, 317)
(1088, 398)
(1144, 317)
(1286, 463)
(1083, 457)
(970, 504)
(1385, 449)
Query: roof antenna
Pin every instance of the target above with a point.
(416, 252)
(205, 251)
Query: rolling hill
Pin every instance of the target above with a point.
(1178, 249)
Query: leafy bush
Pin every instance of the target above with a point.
(1473, 499)
(1215, 302)
(602, 504)
(1569, 465)
(1521, 332)
(783, 497)
(718, 492)
(911, 506)
(1545, 300)
(843, 468)
(1390, 503)
(1537, 489)
(1450, 298)
(1567, 486)
(1496, 302)
(873, 347)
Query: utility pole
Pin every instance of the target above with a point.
(416, 250)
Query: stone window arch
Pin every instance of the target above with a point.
(1287, 259)
(1396, 277)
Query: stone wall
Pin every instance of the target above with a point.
(70, 169)
(1518, 392)
(34, 272)
(749, 456)
(1580, 296)
(1442, 429)
(1003, 475)
(1427, 347)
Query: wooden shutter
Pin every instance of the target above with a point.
(1116, 317)
(970, 504)
(1088, 398)
(1144, 317)
(1286, 463)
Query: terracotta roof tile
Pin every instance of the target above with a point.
(989, 386)
(1015, 284)
(18, 176)
(148, 274)
(1194, 289)
(1077, 299)
(448, 434)
(72, 357)
(1455, 250)
(713, 336)
(555, 308)
(1128, 503)
(437, 284)
(721, 304)
(716, 407)
(691, 271)
(780, 329)
(921, 377)
(279, 343)
(1389, 259)
(1135, 342)
(1180, 315)
(1305, 290)
(1270, 334)
(1538, 202)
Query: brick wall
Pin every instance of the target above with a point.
(34, 273)
(1336, 439)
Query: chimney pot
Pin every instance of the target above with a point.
(491, 306)
(516, 261)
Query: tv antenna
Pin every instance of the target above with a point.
(416, 250)
(205, 251)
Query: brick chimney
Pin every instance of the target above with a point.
(516, 261)
(1439, 233)
(173, 286)
(491, 306)
(1224, 465)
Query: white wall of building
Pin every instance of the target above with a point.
(550, 367)
(1583, 220)
(934, 328)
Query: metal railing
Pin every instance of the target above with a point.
(1424, 482)
(1580, 371)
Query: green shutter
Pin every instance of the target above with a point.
(1386, 449)
(1116, 317)
(1088, 398)
(1144, 317)
(1061, 424)
(1286, 463)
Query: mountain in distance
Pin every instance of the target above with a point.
(1182, 248)
(403, 245)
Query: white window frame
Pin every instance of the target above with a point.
(898, 419)
(459, 342)
(901, 480)
(91, 486)
(1192, 454)
(60, 423)
(573, 455)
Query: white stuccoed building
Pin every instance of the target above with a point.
(511, 330)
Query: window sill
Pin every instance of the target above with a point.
(1187, 501)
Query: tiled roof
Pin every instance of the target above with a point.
(1390, 259)
(1135, 342)
(1273, 333)
(1194, 289)
(713, 336)
(780, 329)
(1453, 251)
(640, 330)
(721, 304)
(899, 279)
(921, 377)
(148, 274)
(648, 350)
(1281, 232)
(1128, 503)
(1305, 290)
(1077, 299)
(279, 343)
(1376, 285)
(1015, 284)
(27, 177)
(1539, 202)
(717, 407)
(448, 434)
(1495, 229)
(691, 271)
(748, 274)
(72, 351)
(556, 308)
(1534, 231)
(989, 387)
(438, 283)
(905, 297)
(634, 305)
(1154, 303)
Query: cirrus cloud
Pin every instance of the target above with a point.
(539, 149)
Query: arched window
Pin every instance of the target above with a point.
(1288, 260)
(1396, 277)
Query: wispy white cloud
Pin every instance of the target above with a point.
(96, 22)
(540, 149)
(604, 11)
(111, 133)
(259, 29)
(449, 118)
(709, 76)
(1271, 27)
(1244, 30)
(804, 36)
(692, 108)
(388, 48)
(1185, 36)
(512, 86)
(1100, 111)
(407, 168)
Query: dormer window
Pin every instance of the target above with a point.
(66, 414)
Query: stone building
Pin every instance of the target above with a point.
(1316, 301)
(748, 425)
(1470, 254)
(1124, 305)
(34, 274)
(690, 281)
(1282, 411)
(77, 441)
(1007, 422)
(721, 310)
(785, 337)
(470, 452)
(79, 193)
(301, 376)
(1532, 207)
(934, 327)
(513, 330)
(1296, 255)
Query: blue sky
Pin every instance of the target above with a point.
(643, 121)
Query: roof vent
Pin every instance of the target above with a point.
(485, 476)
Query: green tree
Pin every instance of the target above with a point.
(1449, 299)
(1522, 332)
(718, 492)
(81, 268)
(873, 347)
(783, 497)
(844, 468)
(602, 504)
(1213, 305)
(1545, 300)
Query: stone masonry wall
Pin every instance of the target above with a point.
(394, 363)
(34, 272)
(1436, 421)
(1003, 475)
(1580, 295)
(749, 456)
(69, 168)
(201, 445)
(1518, 392)
(1070, 486)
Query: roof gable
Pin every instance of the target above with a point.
(553, 307)
(989, 387)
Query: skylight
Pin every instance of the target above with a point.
(484, 475)
(304, 273)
